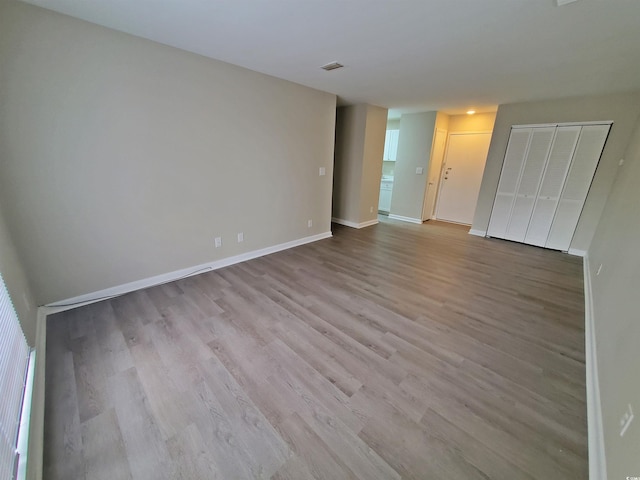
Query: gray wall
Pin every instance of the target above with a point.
(393, 124)
(414, 150)
(622, 109)
(17, 283)
(615, 310)
(360, 132)
(122, 158)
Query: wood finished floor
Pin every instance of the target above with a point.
(395, 351)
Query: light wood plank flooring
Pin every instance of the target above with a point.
(395, 351)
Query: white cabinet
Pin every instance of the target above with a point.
(384, 203)
(391, 145)
(546, 175)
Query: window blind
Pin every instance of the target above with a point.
(14, 358)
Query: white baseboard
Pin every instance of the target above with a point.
(597, 459)
(348, 223)
(176, 275)
(405, 219)
(478, 233)
(577, 252)
(369, 223)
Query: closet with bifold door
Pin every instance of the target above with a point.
(546, 175)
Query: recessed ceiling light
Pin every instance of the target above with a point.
(332, 66)
(470, 112)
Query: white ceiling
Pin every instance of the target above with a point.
(408, 55)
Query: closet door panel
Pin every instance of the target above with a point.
(520, 216)
(540, 223)
(585, 161)
(564, 225)
(553, 180)
(583, 166)
(509, 179)
(529, 185)
(500, 215)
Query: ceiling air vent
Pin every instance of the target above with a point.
(332, 66)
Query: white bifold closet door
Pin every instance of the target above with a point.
(585, 160)
(509, 180)
(555, 175)
(544, 182)
(539, 144)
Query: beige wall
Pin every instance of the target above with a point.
(17, 283)
(443, 121)
(351, 124)
(414, 150)
(480, 122)
(622, 109)
(372, 162)
(360, 132)
(122, 158)
(615, 291)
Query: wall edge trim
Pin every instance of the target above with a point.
(348, 223)
(35, 449)
(405, 219)
(597, 457)
(117, 290)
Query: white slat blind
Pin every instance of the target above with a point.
(14, 357)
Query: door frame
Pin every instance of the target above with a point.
(431, 215)
(444, 162)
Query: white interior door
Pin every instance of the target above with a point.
(435, 169)
(463, 168)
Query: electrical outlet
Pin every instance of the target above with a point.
(621, 162)
(599, 270)
(218, 241)
(309, 223)
(370, 209)
(626, 420)
(240, 237)
(419, 170)
(322, 172)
